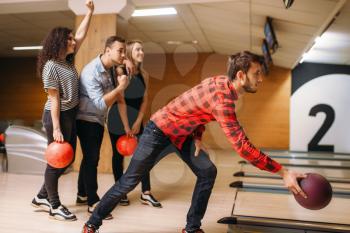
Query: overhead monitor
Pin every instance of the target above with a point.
(270, 35)
(267, 56)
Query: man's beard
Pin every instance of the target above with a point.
(247, 87)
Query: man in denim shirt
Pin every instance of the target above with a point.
(97, 93)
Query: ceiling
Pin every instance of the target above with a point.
(334, 45)
(27, 29)
(224, 27)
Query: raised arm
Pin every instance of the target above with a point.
(84, 25)
(96, 93)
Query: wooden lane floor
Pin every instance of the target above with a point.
(274, 176)
(277, 212)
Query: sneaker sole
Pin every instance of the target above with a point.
(150, 204)
(124, 204)
(41, 207)
(63, 219)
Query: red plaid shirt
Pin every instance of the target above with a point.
(213, 99)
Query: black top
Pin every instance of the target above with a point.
(133, 95)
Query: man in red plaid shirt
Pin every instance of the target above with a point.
(181, 124)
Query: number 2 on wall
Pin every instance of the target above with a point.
(330, 116)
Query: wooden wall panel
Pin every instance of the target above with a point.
(101, 27)
(21, 93)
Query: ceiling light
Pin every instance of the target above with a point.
(28, 48)
(174, 42)
(155, 11)
(177, 42)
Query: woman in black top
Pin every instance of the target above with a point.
(60, 79)
(126, 117)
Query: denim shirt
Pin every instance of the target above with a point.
(95, 82)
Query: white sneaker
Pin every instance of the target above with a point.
(41, 203)
(92, 208)
(148, 199)
(62, 213)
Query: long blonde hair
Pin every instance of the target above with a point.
(129, 47)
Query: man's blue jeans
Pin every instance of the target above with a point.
(149, 151)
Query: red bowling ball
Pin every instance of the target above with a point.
(59, 155)
(318, 191)
(126, 145)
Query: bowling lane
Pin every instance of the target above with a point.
(279, 182)
(284, 206)
(271, 208)
(274, 176)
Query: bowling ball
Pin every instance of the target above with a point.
(59, 155)
(126, 145)
(318, 191)
(2, 138)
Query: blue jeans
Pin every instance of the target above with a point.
(118, 164)
(147, 154)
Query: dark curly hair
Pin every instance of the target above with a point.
(242, 61)
(54, 43)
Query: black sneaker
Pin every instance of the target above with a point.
(92, 208)
(195, 231)
(81, 200)
(89, 228)
(41, 203)
(62, 213)
(124, 201)
(148, 199)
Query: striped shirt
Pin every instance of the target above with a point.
(61, 76)
(212, 100)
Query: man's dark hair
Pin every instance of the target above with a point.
(241, 61)
(110, 40)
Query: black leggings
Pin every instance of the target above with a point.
(49, 189)
(118, 165)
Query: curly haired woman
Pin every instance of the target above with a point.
(60, 78)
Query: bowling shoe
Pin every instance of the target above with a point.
(148, 199)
